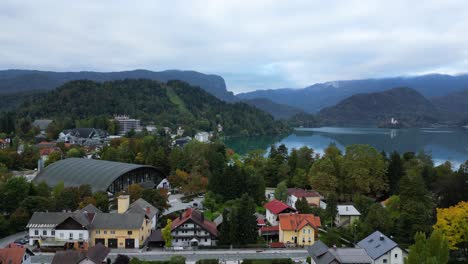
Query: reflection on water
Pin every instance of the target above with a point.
(443, 143)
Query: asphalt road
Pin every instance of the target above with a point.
(192, 256)
(10, 239)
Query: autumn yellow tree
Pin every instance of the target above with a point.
(453, 223)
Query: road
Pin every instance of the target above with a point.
(192, 256)
(9, 239)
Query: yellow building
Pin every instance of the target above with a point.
(121, 230)
(298, 229)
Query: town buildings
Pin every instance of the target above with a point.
(192, 229)
(128, 228)
(83, 136)
(298, 229)
(274, 208)
(94, 255)
(294, 194)
(346, 215)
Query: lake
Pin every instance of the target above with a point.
(442, 143)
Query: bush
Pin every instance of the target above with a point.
(268, 261)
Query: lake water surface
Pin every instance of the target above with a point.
(442, 143)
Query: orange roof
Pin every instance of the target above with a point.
(298, 221)
(13, 255)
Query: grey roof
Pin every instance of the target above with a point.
(90, 208)
(118, 221)
(42, 124)
(78, 171)
(320, 253)
(69, 256)
(139, 207)
(98, 253)
(377, 244)
(51, 219)
(347, 210)
(351, 255)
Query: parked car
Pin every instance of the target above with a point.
(21, 241)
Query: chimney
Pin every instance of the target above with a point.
(123, 202)
(381, 237)
(148, 210)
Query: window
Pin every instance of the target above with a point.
(309, 231)
(309, 240)
(44, 232)
(105, 232)
(129, 232)
(396, 255)
(98, 232)
(112, 232)
(303, 231)
(303, 240)
(52, 233)
(36, 232)
(81, 235)
(71, 235)
(206, 240)
(61, 235)
(384, 260)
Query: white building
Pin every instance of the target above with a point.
(127, 124)
(192, 229)
(202, 137)
(346, 214)
(383, 250)
(274, 208)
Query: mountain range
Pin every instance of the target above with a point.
(12, 81)
(313, 98)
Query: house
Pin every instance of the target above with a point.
(269, 233)
(95, 255)
(346, 214)
(274, 208)
(42, 124)
(202, 137)
(192, 229)
(382, 249)
(164, 184)
(270, 193)
(294, 194)
(122, 229)
(83, 136)
(298, 229)
(260, 219)
(321, 254)
(180, 142)
(60, 229)
(15, 254)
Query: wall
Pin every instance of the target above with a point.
(286, 236)
(139, 235)
(390, 257)
(182, 237)
(271, 218)
(33, 237)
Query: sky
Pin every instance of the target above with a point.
(252, 44)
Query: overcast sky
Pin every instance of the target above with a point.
(252, 44)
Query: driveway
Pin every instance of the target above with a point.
(10, 239)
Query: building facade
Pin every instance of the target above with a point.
(313, 198)
(383, 250)
(274, 208)
(298, 229)
(127, 124)
(346, 215)
(192, 229)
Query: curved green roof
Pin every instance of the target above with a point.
(100, 174)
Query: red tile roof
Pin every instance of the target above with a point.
(261, 221)
(13, 254)
(277, 207)
(298, 221)
(269, 229)
(302, 193)
(197, 218)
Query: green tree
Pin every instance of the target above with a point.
(323, 176)
(53, 157)
(156, 197)
(19, 219)
(281, 192)
(378, 218)
(302, 206)
(4, 226)
(13, 192)
(102, 201)
(395, 172)
(166, 233)
(332, 208)
(75, 153)
(432, 250)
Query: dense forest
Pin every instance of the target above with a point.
(170, 104)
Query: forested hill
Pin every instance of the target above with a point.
(171, 104)
(278, 111)
(404, 104)
(12, 81)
